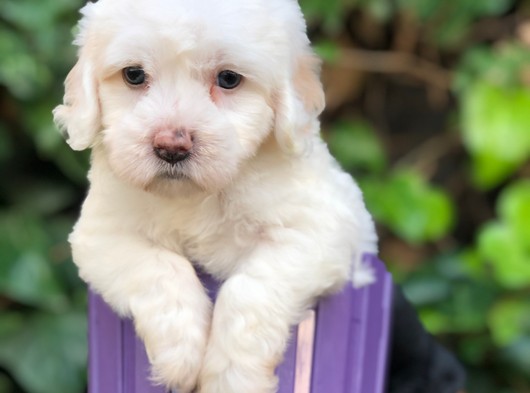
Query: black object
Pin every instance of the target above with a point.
(419, 364)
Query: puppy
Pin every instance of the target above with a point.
(202, 117)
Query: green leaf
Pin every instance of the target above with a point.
(329, 13)
(494, 117)
(46, 136)
(473, 67)
(488, 170)
(328, 51)
(514, 209)
(435, 322)
(30, 280)
(473, 264)
(355, 145)
(33, 15)
(449, 22)
(505, 243)
(497, 120)
(497, 243)
(20, 71)
(413, 209)
(462, 309)
(34, 42)
(467, 301)
(45, 353)
(426, 290)
(509, 320)
(503, 65)
(26, 274)
(496, 124)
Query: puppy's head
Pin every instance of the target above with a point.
(177, 91)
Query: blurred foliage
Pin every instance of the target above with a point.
(447, 178)
(428, 109)
(495, 116)
(42, 302)
(409, 206)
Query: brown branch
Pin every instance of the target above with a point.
(390, 62)
(425, 157)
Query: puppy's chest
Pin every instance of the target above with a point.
(213, 240)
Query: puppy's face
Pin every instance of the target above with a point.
(185, 91)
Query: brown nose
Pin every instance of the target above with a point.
(173, 146)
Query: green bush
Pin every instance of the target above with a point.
(454, 228)
(42, 302)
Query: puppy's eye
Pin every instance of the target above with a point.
(228, 79)
(134, 76)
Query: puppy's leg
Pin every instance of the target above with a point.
(162, 293)
(253, 314)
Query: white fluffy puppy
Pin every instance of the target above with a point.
(202, 119)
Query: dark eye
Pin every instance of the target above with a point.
(228, 79)
(134, 76)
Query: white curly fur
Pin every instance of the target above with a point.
(260, 204)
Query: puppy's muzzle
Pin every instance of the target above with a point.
(173, 146)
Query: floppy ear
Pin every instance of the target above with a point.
(79, 116)
(299, 102)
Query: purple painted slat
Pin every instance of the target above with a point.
(136, 364)
(142, 367)
(376, 326)
(286, 370)
(105, 366)
(335, 321)
(129, 358)
(350, 349)
(355, 366)
(352, 338)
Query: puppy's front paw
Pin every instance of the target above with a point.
(221, 373)
(178, 367)
(248, 336)
(175, 334)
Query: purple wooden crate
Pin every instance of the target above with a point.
(349, 346)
